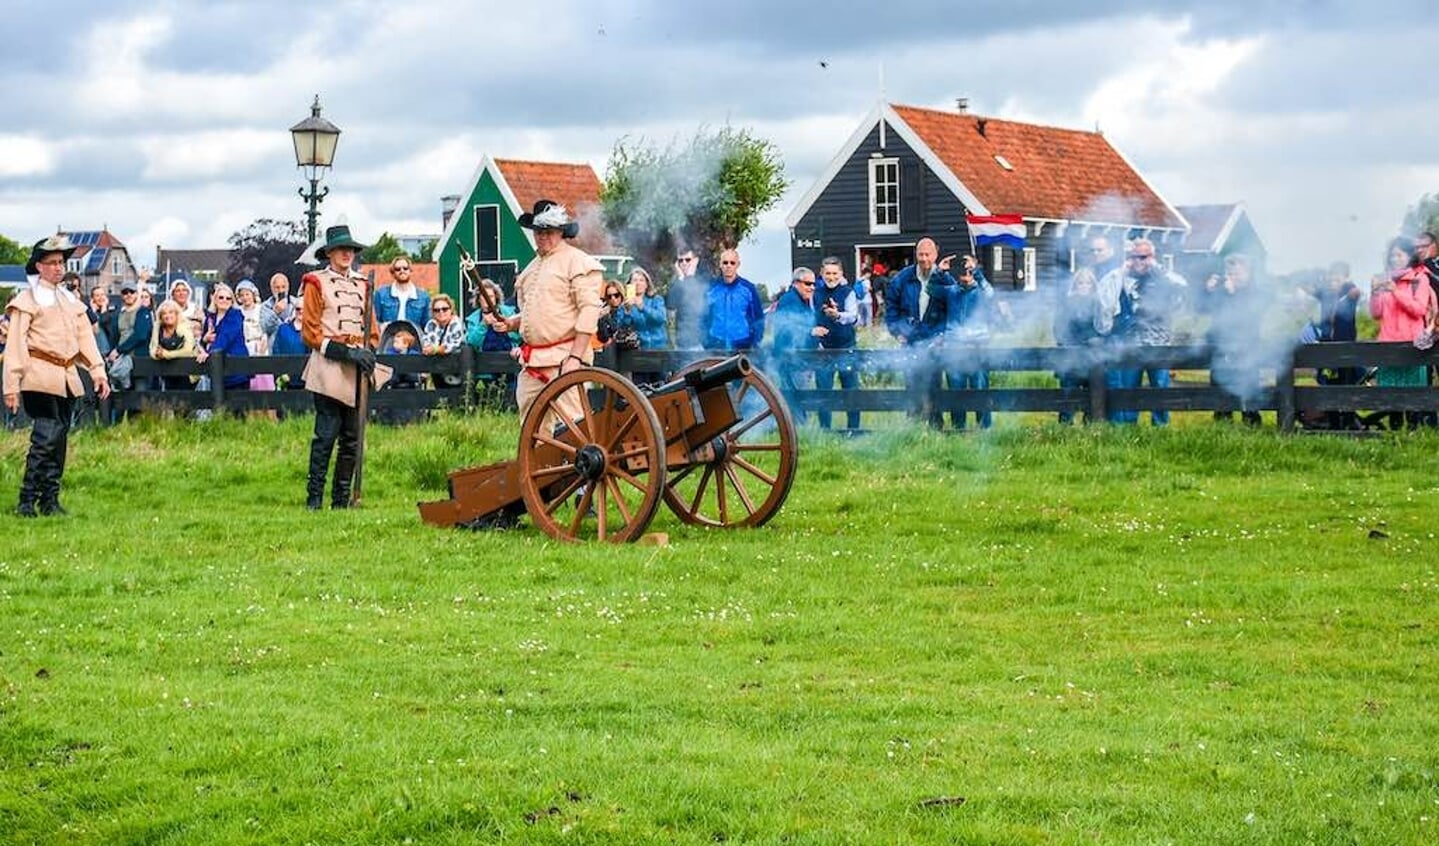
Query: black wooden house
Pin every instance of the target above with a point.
(908, 172)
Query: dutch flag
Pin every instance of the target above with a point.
(1006, 230)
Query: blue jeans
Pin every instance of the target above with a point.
(848, 380)
(976, 380)
(1158, 378)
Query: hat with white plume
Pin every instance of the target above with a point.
(549, 214)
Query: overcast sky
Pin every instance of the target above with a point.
(167, 121)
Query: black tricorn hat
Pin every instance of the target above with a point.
(338, 236)
(549, 214)
(54, 244)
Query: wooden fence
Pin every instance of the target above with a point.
(886, 379)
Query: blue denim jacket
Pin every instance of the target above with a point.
(387, 306)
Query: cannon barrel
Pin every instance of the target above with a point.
(719, 373)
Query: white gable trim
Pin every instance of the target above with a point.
(880, 115)
(1228, 228)
(1184, 223)
(486, 164)
(938, 167)
(832, 169)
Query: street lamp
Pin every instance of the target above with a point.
(315, 140)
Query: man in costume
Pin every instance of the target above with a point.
(558, 294)
(49, 334)
(333, 326)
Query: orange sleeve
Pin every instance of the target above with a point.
(312, 332)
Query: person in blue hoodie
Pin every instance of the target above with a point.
(734, 317)
(836, 314)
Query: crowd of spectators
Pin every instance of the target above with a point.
(1121, 297)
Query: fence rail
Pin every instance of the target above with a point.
(897, 380)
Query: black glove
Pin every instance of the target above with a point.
(358, 356)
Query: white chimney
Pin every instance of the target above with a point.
(448, 204)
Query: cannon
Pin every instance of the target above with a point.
(716, 443)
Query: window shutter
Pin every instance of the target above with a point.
(911, 195)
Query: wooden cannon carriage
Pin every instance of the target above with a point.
(716, 444)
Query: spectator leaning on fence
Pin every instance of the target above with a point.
(444, 335)
(485, 331)
(1137, 303)
(49, 334)
(171, 339)
(644, 311)
(1074, 328)
(836, 316)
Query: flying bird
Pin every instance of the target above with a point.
(823, 63)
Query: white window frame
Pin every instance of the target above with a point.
(887, 226)
(1031, 268)
(72, 265)
(1073, 260)
(1169, 262)
(997, 259)
(116, 268)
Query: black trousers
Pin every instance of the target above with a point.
(335, 424)
(49, 441)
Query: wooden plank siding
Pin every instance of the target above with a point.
(839, 218)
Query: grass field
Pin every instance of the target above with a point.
(1201, 635)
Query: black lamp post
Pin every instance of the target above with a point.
(315, 140)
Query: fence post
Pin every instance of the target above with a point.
(217, 381)
(1284, 383)
(1098, 395)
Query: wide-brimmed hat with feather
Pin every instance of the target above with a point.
(549, 214)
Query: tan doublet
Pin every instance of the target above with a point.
(46, 342)
(334, 310)
(559, 297)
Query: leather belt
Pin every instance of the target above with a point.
(54, 359)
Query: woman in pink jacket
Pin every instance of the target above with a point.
(1404, 304)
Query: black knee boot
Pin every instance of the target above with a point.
(54, 469)
(327, 426)
(344, 474)
(30, 484)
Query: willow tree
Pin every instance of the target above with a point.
(707, 194)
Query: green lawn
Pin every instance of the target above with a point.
(1200, 635)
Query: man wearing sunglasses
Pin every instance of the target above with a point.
(735, 319)
(686, 299)
(1137, 304)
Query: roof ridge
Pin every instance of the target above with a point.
(992, 119)
(538, 162)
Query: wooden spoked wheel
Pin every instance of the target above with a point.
(599, 476)
(742, 477)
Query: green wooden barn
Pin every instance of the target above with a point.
(485, 219)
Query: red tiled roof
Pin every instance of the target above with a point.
(575, 186)
(1065, 174)
(427, 276)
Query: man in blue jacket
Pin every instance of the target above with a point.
(914, 314)
(402, 300)
(735, 317)
(794, 330)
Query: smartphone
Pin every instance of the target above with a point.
(629, 290)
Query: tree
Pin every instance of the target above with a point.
(426, 251)
(1423, 216)
(266, 247)
(706, 194)
(13, 253)
(385, 250)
